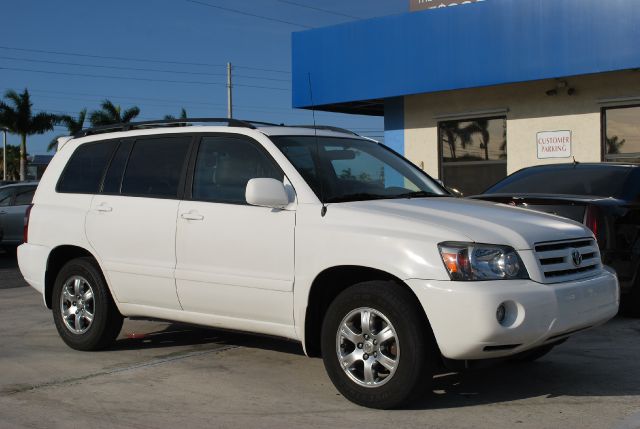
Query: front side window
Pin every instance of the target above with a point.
(474, 153)
(622, 134)
(156, 166)
(354, 169)
(225, 165)
(84, 171)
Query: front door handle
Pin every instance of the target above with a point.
(191, 216)
(104, 208)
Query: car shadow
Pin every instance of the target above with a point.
(588, 368)
(177, 334)
(8, 260)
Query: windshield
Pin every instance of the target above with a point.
(583, 180)
(355, 169)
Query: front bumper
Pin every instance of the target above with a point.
(464, 322)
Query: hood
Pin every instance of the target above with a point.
(480, 221)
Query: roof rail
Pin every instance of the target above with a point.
(167, 122)
(325, 128)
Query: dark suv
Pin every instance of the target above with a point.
(603, 196)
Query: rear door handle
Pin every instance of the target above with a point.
(1, 213)
(191, 216)
(104, 208)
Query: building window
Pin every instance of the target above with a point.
(473, 153)
(622, 134)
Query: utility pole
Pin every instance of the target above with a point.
(229, 93)
(4, 154)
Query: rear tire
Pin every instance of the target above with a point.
(387, 364)
(83, 310)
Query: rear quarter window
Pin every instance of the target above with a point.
(581, 180)
(85, 168)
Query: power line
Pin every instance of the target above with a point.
(240, 12)
(191, 82)
(136, 68)
(144, 60)
(318, 9)
(167, 102)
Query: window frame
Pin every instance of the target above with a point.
(603, 136)
(193, 159)
(183, 173)
(104, 171)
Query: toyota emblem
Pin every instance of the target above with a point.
(577, 257)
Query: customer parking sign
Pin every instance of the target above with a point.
(554, 144)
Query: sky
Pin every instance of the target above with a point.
(163, 55)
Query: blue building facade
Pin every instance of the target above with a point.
(553, 52)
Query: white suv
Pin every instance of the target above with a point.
(308, 233)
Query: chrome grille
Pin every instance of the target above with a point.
(558, 264)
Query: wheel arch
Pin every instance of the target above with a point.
(57, 258)
(328, 284)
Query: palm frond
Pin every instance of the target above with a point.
(100, 117)
(112, 110)
(42, 122)
(130, 113)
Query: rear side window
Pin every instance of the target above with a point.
(84, 171)
(24, 196)
(156, 167)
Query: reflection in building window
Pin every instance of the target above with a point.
(622, 134)
(474, 153)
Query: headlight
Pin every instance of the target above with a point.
(473, 262)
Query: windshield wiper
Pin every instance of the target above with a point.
(418, 194)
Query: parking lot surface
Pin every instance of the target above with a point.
(166, 375)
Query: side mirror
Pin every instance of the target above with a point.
(266, 192)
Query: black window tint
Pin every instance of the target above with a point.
(113, 178)
(5, 197)
(84, 170)
(24, 196)
(156, 166)
(585, 180)
(224, 167)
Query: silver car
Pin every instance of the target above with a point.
(14, 201)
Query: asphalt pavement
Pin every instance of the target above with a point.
(162, 374)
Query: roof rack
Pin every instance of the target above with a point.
(325, 128)
(167, 122)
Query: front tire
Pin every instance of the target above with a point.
(377, 347)
(83, 310)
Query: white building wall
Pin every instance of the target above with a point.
(528, 109)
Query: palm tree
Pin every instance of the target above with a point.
(74, 126)
(614, 144)
(452, 131)
(110, 114)
(13, 162)
(183, 115)
(19, 119)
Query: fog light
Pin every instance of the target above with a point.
(501, 313)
